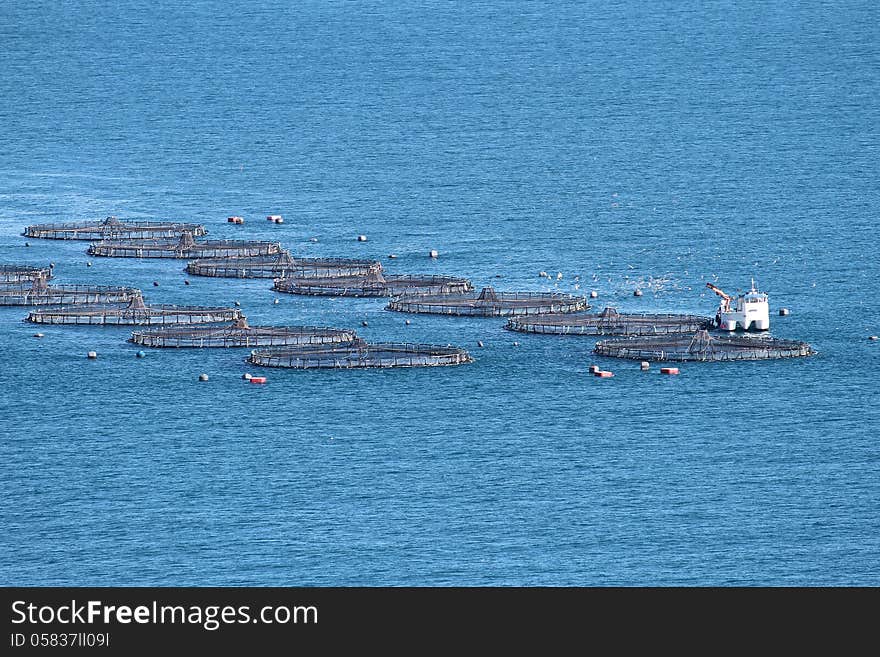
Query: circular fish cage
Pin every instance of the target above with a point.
(489, 303)
(609, 322)
(279, 266)
(113, 228)
(701, 346)
(185, 247)
(41, 294)
(23, 273)
(134, 314)
(361, 355)
(240, 334)
(373, 285)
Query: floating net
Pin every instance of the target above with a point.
(372, 285)
(39, 293)
(489, 303)
(240, 334)
(134, 314)
(610, 322)
(184, 247)
(281, 265)
(702, 346)
(22, 273)
(112, 228)
(361, 355)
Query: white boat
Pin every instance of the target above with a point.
(749, 311)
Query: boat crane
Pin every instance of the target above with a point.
(749, 311)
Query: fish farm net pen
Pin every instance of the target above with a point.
(701, 346)
(113, 228)
(242, 335)
(134, 314)
(185, 247)
(23, 273)
(60, 295)
(489, 303)
(281, 266)
(362, 355)
(609, 322)
(374, 285)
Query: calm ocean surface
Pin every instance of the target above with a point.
(652, 145)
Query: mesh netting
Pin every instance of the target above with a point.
(702, 346)
(489, 303)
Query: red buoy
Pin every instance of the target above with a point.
(603, 374)
(258, 379)
(668, 370)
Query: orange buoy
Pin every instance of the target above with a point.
(668, 370)
(258, 379)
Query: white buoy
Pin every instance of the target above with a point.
(872, 337)
(237, 303)
(275, 301)
(364, 323)
(246, 376)
(480, 344)
(594, 369)
(38, 335)
(362, 238)
(141, 354)
(407, 322)
(92, 355)
(314, 239)
(783, 312)
(203, 377)
(89, 263)
(645, 365)
(27, 243)
(392, 256)
(593, 294)
(559, 276)
(434, 253)
(637, 293)
(516, 344)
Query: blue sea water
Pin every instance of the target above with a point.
(652, 145)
